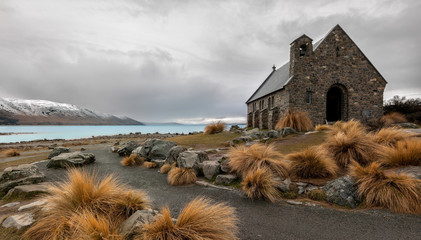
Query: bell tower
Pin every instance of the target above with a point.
(300, 48)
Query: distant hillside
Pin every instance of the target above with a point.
(42, 112)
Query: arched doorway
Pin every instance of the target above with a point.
(335, 104)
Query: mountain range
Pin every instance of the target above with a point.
(43, 112)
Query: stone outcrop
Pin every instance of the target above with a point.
(192, 159)
(21, 175)
(225, 179)
(18, 221)
(342, 191)
(31, 189)
(73, 159)
(156, 149)
(211, 169)
(57, 151)
(137, 220)
(173, 154)
(127, 148)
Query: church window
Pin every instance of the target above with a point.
(303, 49)
(309, 96)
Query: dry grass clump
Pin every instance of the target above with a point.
(312, 163)
(198, 220)
(165, 168)
(392, 118)
(398, 192)
(83, 192)
(353, 127)
(390, 136)
(404, 153)
(244, 159)
(323, 127)
(11, 152)
(215, 128)
(132, 160)
(259, 184)
(345, 148)
(300, 121)
(149, 165)
(181, 176)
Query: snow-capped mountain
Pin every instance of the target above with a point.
(29, 112)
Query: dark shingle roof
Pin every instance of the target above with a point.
(274, 82)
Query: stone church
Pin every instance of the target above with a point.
(331, 80)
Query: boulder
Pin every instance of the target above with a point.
(407, 125)
(283, 185)
(21, 175)
(156, 149)
(127, 148)
(241, 140)
(32, 205)
(138, 151)
(211, 169)
(225, 179)
(288, 131)
(234, 128)
(411, 170)
(173, 154)
(57, 151)
(12, 204)
(137, 220)
(192, 159)
(225, 166)
(18, 221)
(254, 133)
(31, 189)
(158, 162)
(73, 159)
(272, 134)
(342, 191)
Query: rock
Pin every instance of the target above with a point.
(292, 202)
(57, 151)
(192, 159)
(173, 154)
(342, 191)
(225, 167)
(138, 151)
(114, 149)
(254, 133)
(82, 149)
(225, 179)
(412, 170)
(288, 131)
(137, 220)
(211, 169)
(234, 128)
(156, 149)
(29, 189)
(32, 205)
(19, 221)
(21, 175)
(241, 140)
(283, 186)
(407, 125)
(52, 146)
(273, 134)
(127, 148)
(158, 162)
(73, 159)
(12, 204)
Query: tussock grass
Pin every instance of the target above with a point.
(87, 225)
(181, 176)
(11, 152)
(353, 127)
(200, 219)
(390, 136)
(165, 168)
(215, 128)
(312, 163)
(259, 184)
(392, 118)
(132, 160)
(82, 192)
(398, 192)
(149, 165)
(405, 153)
(300, 121)
(323, 127)
(244, 159)
(345, 148)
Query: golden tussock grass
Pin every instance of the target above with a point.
(405, 153)
(132, 160)
(323, 127)
(200, 219)
(215, 128)
(392, 118)
(149, 165)
(298, 120)
(352, 146)
(390, 136)
(165, 168)
(259, 184)
(84, 191)
(353, 127)
(11, 152)
(398, 192)
(243, 159)
(181, 176)
(313, 162)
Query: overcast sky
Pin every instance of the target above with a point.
(176, 60)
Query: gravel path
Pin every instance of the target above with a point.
(260, 219)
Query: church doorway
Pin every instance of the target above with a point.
(335, 104)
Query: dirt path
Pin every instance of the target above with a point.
(260, 219)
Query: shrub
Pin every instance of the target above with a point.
(132, 160)
(405, 153)
(85, 192)
(317, 195)
(149, 165)
(323, 127)
(352, 127)
(392, 118)
(214, 128)
(411, 108)
(300, 121)
(198, 220)
(165, 168)
(11, 152)
(181, 176)
(390, 136)
(345, 148)
(397, 192)
(312, 163)
(244, 159)
(259, 184)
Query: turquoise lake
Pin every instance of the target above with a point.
(29, 133)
